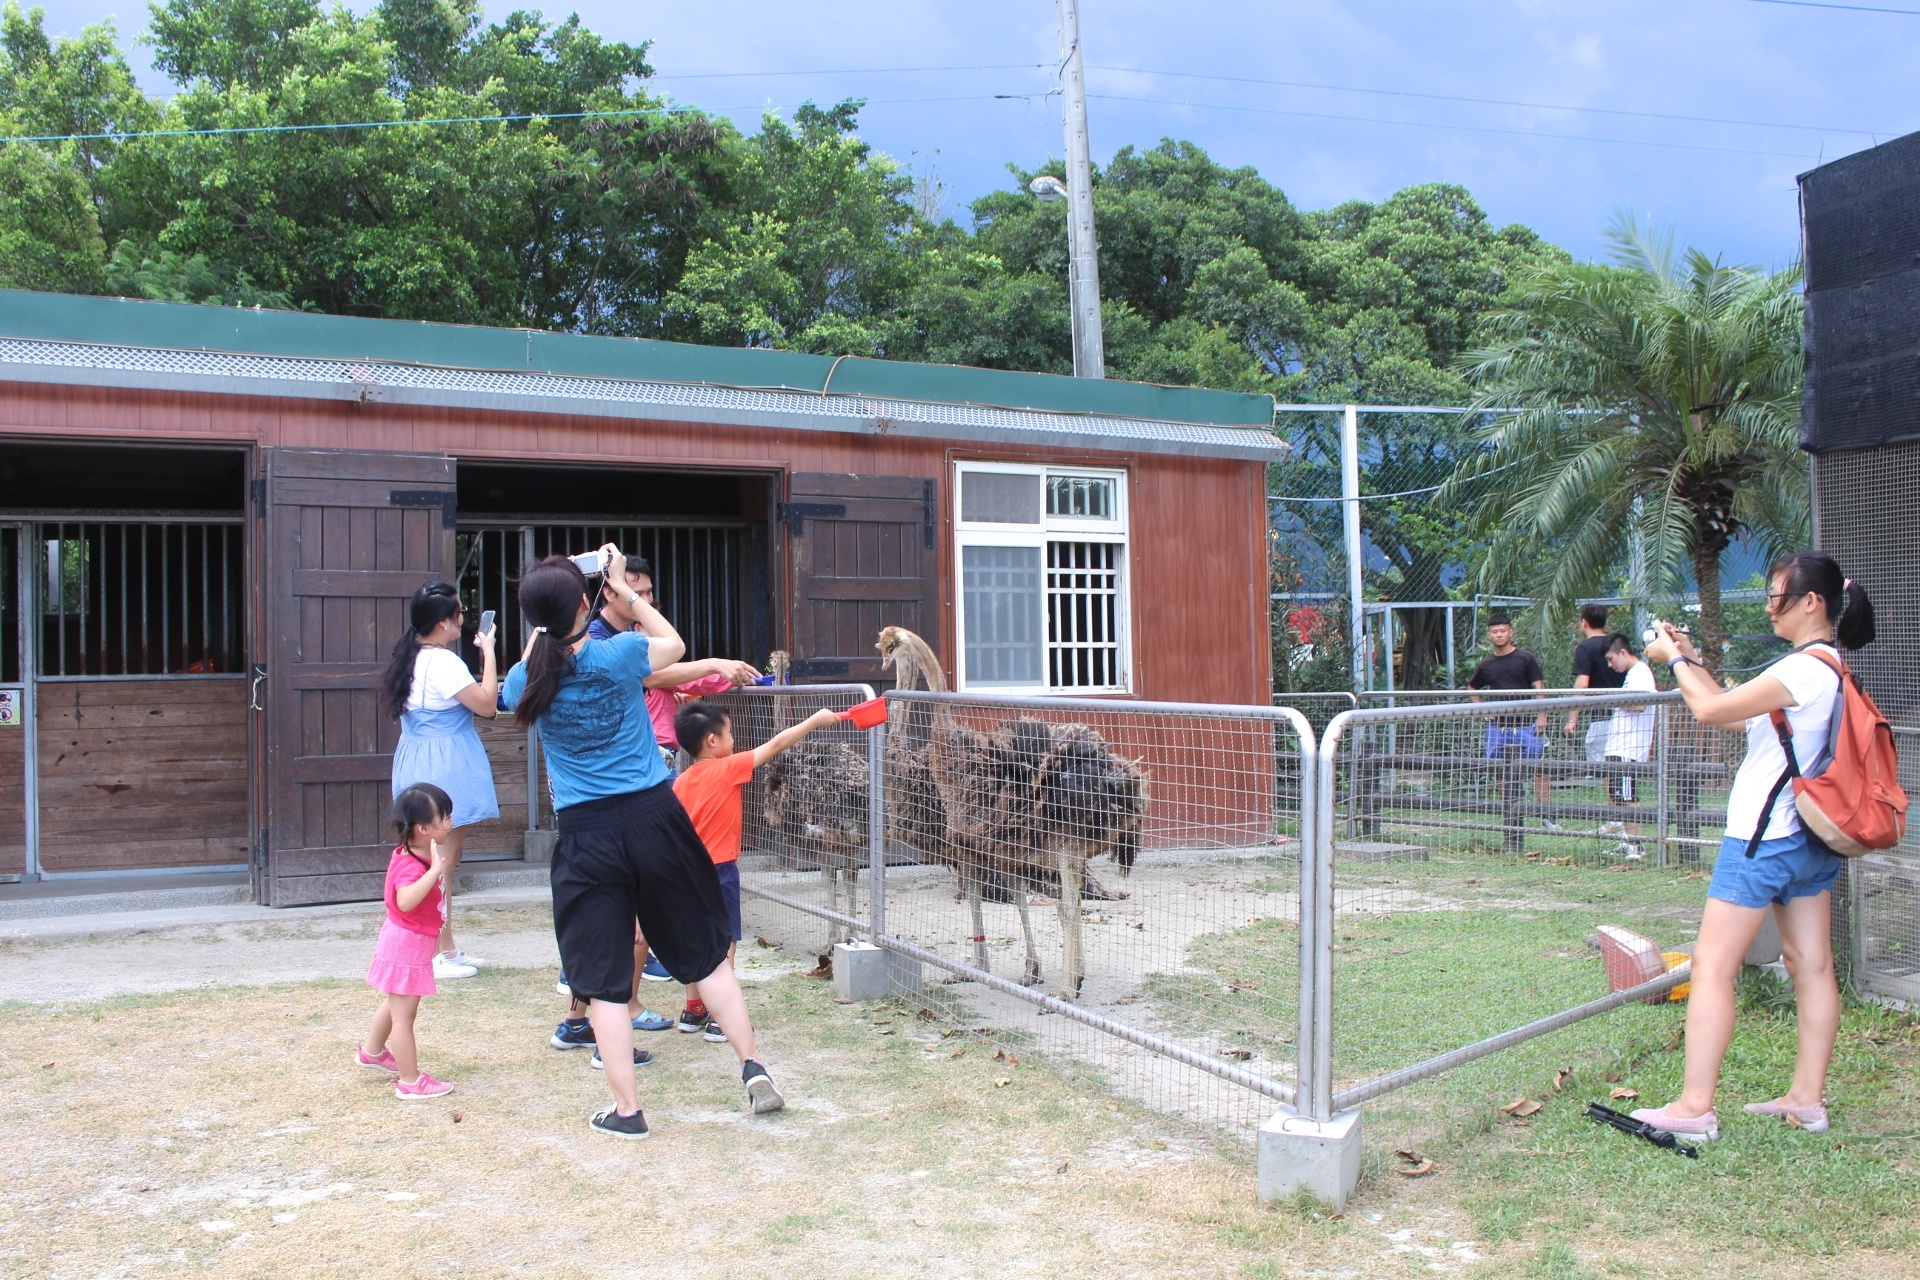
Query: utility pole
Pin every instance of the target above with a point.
(1083, 269)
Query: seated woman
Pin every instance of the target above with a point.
(626, 848)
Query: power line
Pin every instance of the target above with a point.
(1467, 128)
(1500, 102)
(438, 120)
(1856, 8)
(847, 71)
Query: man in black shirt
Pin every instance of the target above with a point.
(1512, 668)
(1592, 671)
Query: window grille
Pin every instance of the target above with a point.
(1001, 590)
(141, 597)
(697, 577)
(1083, 615)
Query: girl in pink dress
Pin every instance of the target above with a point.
(402, 968)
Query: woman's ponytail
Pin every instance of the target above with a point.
(1817, 573)
(1855, 629)
(550, 594)
(432, 604)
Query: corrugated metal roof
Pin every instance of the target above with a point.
(117, 341)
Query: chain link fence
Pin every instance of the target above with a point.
(1111, 886)
(1468, 854)
(806, 837)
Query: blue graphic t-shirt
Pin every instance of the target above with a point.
(596, 735)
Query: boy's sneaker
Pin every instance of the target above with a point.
(615, 1125)
(760, 1090)
(445, 967)
(713, 1033)
(425, 1087)
(640, 1059)
(573, 1035)
(561, 988)
(651, 1021)
(690, 1022)
(384, 1062)
(655, 971)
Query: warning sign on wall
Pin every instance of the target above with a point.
(9, 708)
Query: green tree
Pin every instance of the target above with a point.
(1656, 398)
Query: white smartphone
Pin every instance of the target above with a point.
(589, 563)
(486, 622)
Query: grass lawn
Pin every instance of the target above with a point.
(225, 1132)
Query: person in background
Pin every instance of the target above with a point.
(1629, 736)
(1511, 667)
(1591, 670)
(428, 689)
(1767, 858)
(626, 849)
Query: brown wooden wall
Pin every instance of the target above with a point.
(13, 808)
(506, 744)
(140, 774)
(1198, 525)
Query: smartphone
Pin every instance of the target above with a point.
(486, 621)
(589, 563)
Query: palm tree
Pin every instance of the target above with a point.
(1657, 399)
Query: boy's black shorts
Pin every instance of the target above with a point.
(629, 857)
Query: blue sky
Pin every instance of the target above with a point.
(1330, 134)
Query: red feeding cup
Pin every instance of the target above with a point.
(867, 715)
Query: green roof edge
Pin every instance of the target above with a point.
(62, 317)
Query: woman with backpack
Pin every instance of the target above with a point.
(1768, 858)
(428, 689)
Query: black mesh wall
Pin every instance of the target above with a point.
(1861, 223)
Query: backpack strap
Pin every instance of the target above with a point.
(1785, 732)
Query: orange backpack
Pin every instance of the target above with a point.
(1851, 800)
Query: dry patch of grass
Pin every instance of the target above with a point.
(228, 1132)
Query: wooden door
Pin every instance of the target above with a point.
(350, 536)
(860, 549)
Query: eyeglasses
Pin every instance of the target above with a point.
(1783, 595)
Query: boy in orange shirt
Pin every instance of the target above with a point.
(709, 789)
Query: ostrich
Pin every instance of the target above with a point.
(1029, 803)
(815, 797)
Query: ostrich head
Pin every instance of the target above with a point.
(778, 662)
(911, 658)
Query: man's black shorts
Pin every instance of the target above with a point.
(632, 857)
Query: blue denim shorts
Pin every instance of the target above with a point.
(1500, 736)
(1778, 872)
(729, 873)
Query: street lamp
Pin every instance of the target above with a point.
(1048, 188)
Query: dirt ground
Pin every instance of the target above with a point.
(181, 1117)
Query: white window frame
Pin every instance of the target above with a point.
(1115, 532)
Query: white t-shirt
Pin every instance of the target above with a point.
(1630, 733)
(1813, 686)
(438, 675)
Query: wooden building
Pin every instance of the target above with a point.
(211, 520)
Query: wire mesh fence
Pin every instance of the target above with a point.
(1468, 854)
(1112, 887)
(805, 839)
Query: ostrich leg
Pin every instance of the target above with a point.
(1073, 960)
(1031, 978)
(970, 886)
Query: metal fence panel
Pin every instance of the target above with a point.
(1112, 886)
(804, 842)
(1467, 855)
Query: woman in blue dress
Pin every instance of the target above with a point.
(428, 689)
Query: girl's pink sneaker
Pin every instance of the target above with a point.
(425, 1087)
(1812, 1119)
(1706, 1127)
(385, 1062)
